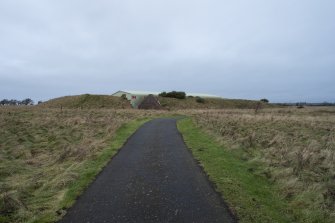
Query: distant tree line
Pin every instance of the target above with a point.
(14, 102)
(173, 94)
(306, 104)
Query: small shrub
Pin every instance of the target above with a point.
(200, 100)
(124, 97)
(163, 94)
(9, 202)
(174, 94)
(264, 100)
(258, 107)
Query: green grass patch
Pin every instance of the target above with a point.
(251, 197)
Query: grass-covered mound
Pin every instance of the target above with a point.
(212, 103)
(87, 101)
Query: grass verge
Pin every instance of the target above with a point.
(91, 168)
(251, 197)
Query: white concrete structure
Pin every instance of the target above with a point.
(135, 97)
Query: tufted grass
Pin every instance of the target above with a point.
(49, 156)
(292, 148)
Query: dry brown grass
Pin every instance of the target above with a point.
(42, 151)
(297, 148)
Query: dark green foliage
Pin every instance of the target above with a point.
(200, 100)
(163, 94)
(26, 101)
(173, 94)
(264, 100)
(124, 97)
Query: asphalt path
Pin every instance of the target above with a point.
(153, 178)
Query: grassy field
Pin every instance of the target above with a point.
(274, 166)
(48, 156)
(293, 149)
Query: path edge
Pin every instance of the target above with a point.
(212, 184)
(106, 156)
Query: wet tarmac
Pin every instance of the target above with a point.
(152, 179)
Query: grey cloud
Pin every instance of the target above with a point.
(282, 50)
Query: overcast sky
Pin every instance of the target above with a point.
(281, 50)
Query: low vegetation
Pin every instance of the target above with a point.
(209, 103)
(87, 101)
(294, 149)
(264, 100)
(48, 156)
(173, 94)
(200, 100)
(14, 102)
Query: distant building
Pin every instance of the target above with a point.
(136, 97)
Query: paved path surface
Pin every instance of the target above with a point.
(152, 179)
